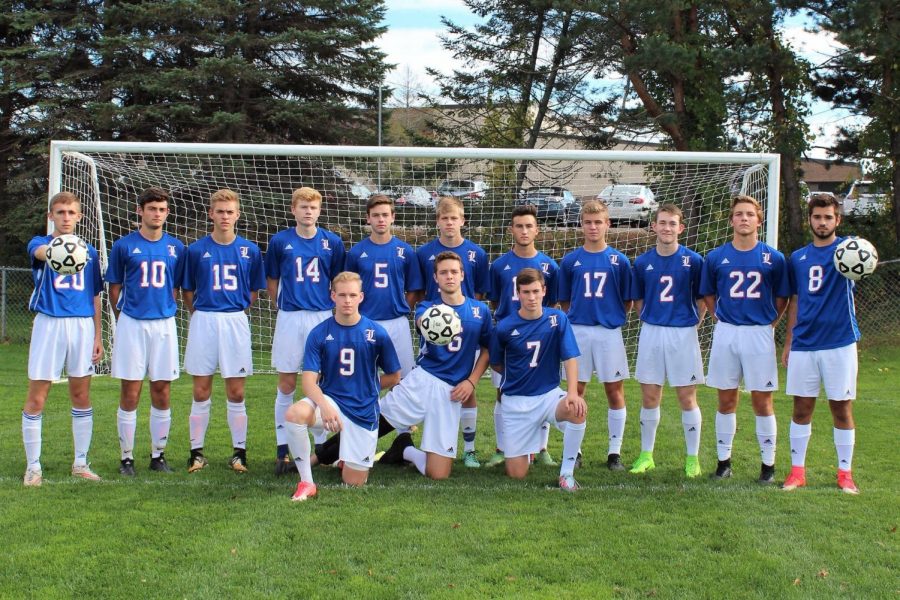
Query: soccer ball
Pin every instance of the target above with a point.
(440, 324)
(67, 254)
(855, 258)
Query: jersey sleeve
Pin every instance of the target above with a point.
(350, 262)
(414, 280)
(482, 271)
(387, 354)
(696, 275)
(312, 352)
(257, 271)
(637, 280)
(94, 265)
(782, 278)
(568, 345)
(564, 285)
(180, 263)
(190, 266)
(552, 284)
(493, 292)
(115, 270)
(487, 330)
(792, 276)
(339, 255)
(497, 348)
(273, 258)
(625, 291)
(708, 276)
(35, 243)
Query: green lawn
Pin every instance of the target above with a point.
(217, 534)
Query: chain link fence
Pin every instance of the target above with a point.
(15, 318)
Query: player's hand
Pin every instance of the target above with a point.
(331, 420)
(463, 391)
(97, 352)
(576, 405)
(785, 354)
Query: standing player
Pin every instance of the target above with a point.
(595, 293)
(820, 345)
(443, 379)
(745, 284)
(145, 271)
(504, 298)
(66, 332)
(450, 220)
(300, 264)
(222, 276)
(341, 384)
(527, 349)
(668, 300)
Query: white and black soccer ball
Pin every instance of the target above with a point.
(855, 258)
(440, 324)
(67, 254)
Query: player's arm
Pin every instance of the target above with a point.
(628, 305)
(254, 296)
(187, 296)
(115, 289)
(97, 352)
(564, 306)
(466, 388)
(414, 297)
(389, 380)
(638, 306)
(710, 302)
(40, 253)
(701, 310)
(309, 381)
(272, 290)
(780, 305)
(575, 402)
(789, 330)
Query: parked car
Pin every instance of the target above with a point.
(629, 203)
(360, 191)
(463, 188)
(554, 204)
(410, 196)
(864, 198)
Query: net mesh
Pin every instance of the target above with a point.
(109, 182)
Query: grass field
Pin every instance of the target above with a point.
(217, 534)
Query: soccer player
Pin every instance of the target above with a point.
(450, 220)
(527, 349)
(667, 298)
(300, 264)
(66, 332)
(595, 293)
(145, 272)
(745, 285)
(820, 345)
(222, 276)
(504, 298)
(341, 384)
(444, 378)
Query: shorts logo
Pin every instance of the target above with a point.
(614, 259)
(172, 251)
(471, 256)
(400, 250)
(552, 320)
(685, 261)
(325, 245)
(767, 258)
(367, 459)
(545, 268)
(245, 251)
(476, 312)
(370, 335)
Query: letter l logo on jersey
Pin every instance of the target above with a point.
(245, 252)
(767, 258)
(370, 335)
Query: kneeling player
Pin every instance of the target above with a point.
(341, 382)
(444, 378)
(527, 348)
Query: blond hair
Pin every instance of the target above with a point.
(595, 207)
(447, 204)
(744, 199)
(224, 195)
(305, 194)
(64, 198)
(346, 276)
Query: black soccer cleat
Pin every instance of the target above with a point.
(284, 465)
(723, 470)
(766, 474)
(159, 464)
(579, 460)
(126, 467)
(394, 454)
(614, 463)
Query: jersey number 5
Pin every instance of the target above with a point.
(224, 278)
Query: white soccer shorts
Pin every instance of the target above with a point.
(835, 368)
(58, 342)
(746, 351)
(602, 352)
(419, 397)
(669, 353)
(358, 444)
(292, 327)
(219, 340)
(145, 346)
(399, 332)
(523, 420)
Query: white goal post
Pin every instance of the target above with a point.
(109, 176)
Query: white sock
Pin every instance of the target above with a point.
(844, 440)
(282, 403)
(573, 435)
(160, 423)
(416, 457)
(649, 423)
(726, 426)
(545, 435)
(198, 422)
(498, 424)
(468, 420)
(766, 434)
(615, 422)
(237, 423)
(82, 430)
(298, 441)
(31, 437)
(127, 423)
(691, 421)
(799, 435)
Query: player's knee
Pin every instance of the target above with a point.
(300, 413)
(355, 477)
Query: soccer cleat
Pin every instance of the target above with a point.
(159, 464)
(305, 491)
(196, 462)
(643, 463)
(845, 482)
(692, 467)
(796, 479)
(394, 454)
(238, 462)
(766, 474)
(579, 460)
(84, 472)
(284, 465)
(126, 467)
(614, 463)
(723, 469)
(497, 459)
(544, 458)
(567, 483)
(33, 477)
(471, 460)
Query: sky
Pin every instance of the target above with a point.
(412, 42)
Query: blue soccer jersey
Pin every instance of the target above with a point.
(475, 267)
(745, 283)
(669, 287)
(531, 351)
(453, 363)
(348, 359)
(304, 268)
(58, 295)
(388, 271)
(503, 273)
(149, 273)
(597, 286)
(222, 277)
(826, 311)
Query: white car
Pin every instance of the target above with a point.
(864, 198)
(465, 189)
(629, 203)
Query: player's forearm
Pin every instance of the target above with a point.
(115, 290)
(309, 383)
(97, 319)
(564, 306)
(780, 305)
(272, 290)
(791, 321)
(480, 366)
(710, 302)
(389, 380)
(188, 297)
(571, 367)
(40, 253)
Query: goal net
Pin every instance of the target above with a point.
(108, 177)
